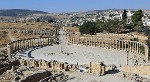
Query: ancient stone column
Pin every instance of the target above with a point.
(116, 43)
(93, 41)
(86, 40)
(102, 43)
(33, 42)
(27, 43)
(122, 48)
(18, 44)
(24, 43)
(99, 42)
(90, 41)
(14, 45)
(125, 45)
(73, 40)
(9, 51)
(39, 40)
(85, 43)
(109, 44)
(138, 48)
(134, 47)
(79, 40)
(119, 45)
(130, 46)
(146, 53)
(21, 46)
(46, 41)
(30, 43)
(127, 58)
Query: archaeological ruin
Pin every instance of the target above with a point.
(139, 48)
(46, 70)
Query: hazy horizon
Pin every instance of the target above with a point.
(74, 6)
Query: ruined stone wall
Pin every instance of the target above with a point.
(97, 68)
(144, 70)
(109, 43)
(53, 64)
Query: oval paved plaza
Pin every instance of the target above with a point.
(73, 54)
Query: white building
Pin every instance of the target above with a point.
(129, 14)
(117, 16)
(146, 22)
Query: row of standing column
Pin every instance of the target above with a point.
(131, 46)
(25, 44)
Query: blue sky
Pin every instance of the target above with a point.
(74, 5)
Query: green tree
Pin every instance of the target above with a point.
(101, 26)
(113, 26)
(50, 20)
(37, 20)
(137, 21)
(124, 15)
(137, 16)
(88, 28)
(138, 26)
(124, 19)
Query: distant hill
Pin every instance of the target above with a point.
(19, 12)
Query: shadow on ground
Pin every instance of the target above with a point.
(112, 71)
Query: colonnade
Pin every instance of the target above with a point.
(28, 43)
(109, 43)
